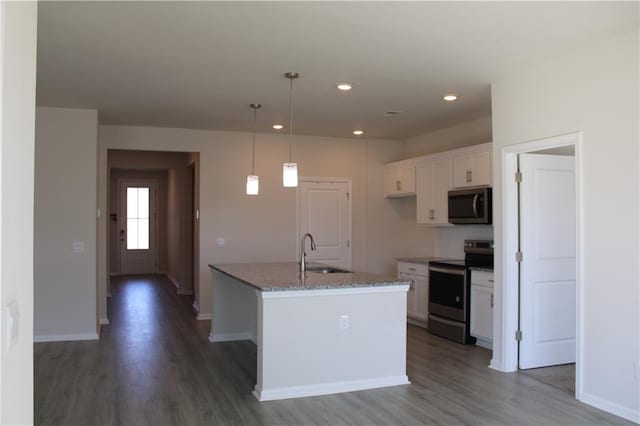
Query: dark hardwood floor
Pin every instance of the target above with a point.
(154, 366)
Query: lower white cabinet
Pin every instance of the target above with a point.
(418, 294)
(481, 326)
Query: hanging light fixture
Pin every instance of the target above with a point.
(290, 170)
(253, 183)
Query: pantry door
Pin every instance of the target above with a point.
(324, 210)
(548, 267)
(137, 236)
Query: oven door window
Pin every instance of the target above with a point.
(446, 289)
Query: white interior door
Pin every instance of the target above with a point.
(324, 210)
(548, 267)
(137, 237)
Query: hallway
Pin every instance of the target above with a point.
(154, 366)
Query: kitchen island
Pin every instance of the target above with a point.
(316, 333)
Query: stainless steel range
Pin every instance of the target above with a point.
(450, 289)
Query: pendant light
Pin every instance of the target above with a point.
(290, 170)
(253, 183)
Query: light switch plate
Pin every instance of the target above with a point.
(77, 247)
(220, 242)
(12, 324)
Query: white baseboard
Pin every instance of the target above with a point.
(204, 317)
(232, 337)
(196, 307)
(173, 281)
(66, 337)
(417, 322)
(104, 321)
(610, 407)
(487, 344)
(185, 292)
(328, 388)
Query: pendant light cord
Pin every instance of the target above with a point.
(253, 157)
(290, 115)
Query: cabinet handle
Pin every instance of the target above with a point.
(432, 214)
(490, 281)
(492, 300)
(411, 269)
(470, 176)
(398, 185)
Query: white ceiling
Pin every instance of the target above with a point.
(200, 65)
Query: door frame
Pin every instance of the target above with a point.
(152, 183)
(506, 319)
(350, 204)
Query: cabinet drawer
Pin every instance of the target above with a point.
(413, 268)
(482, 278)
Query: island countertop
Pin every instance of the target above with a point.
(285, 276)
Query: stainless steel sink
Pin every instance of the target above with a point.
(326, 270)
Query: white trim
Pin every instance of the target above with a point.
(333, 291)
(104, 321)
(231, 337)
(204, 317)
(506, 318)
(185, 292)
(328, 388)
(196, 307)
(611, 407)
(487, 344)
(66, 337)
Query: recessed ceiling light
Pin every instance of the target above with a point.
(358, 132)
(344, 86)
(278, 126)
(450, 98)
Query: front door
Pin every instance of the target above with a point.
(324, 210)
(137, 236)
(548, 267)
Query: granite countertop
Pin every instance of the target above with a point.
(286, 276)
(481, 268)
(421, 260)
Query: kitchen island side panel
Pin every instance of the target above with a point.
(234, 314)
(303, 349)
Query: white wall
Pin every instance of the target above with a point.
(263, 228)
(594, 91)
(65, 212)
(18, 22)
(472, 132)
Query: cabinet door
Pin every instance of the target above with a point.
(440, 193)
(407, 176)
(391, 180)
(422, 297)
(482, 312)
(411, 300)
(480, 166)
(461, 171)
(425, 177)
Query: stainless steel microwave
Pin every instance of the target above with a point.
(470, 206)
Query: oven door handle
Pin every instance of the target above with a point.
(446, 271)
(475, 205)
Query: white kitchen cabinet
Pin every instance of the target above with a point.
(399, 179)
(481, 326)
(418, 294)
(472, 169)
(433, 182)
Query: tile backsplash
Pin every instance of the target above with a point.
(450, 240)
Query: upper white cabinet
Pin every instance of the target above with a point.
(433, 182)
(472, 168)
(399, 179)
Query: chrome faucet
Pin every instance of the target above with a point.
(303, 253)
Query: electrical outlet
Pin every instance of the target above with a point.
(220, 242)
(344, 322)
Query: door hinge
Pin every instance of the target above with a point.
(518, 335)
(518, 256)
(518, 177)
(347, 195)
